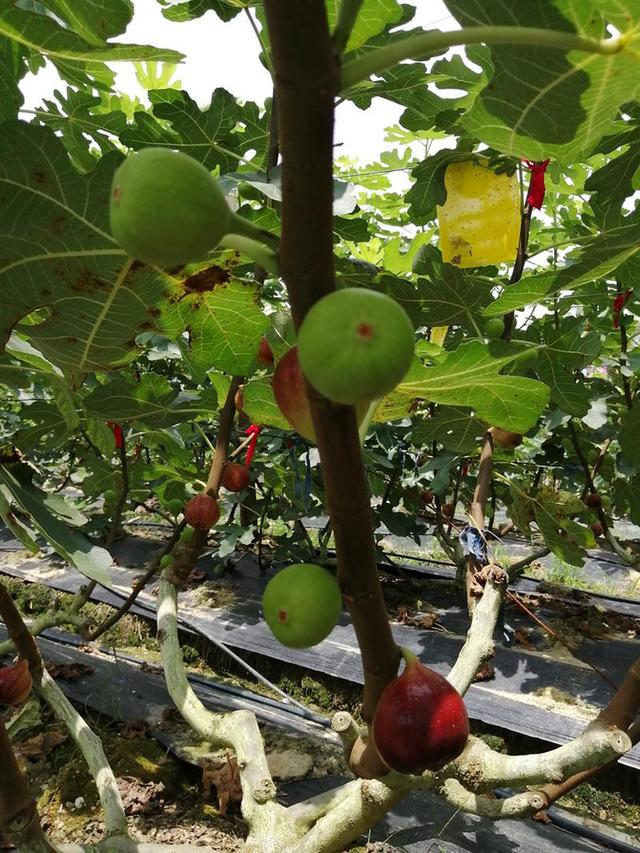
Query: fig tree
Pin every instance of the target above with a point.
(166, 208)
(355, 344)
(301, 605)
(420, 721)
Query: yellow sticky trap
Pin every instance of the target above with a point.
(480, 220)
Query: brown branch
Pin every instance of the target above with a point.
(597, 465)
(139, 585)
(117, 515)
(477, 510)
(20, 634)
(307, 78)
(19, 819)
(518, 267)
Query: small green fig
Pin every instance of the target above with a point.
(166, 208)
(355, 344)
(165, 561)
(302, 604)
(420, 721)
(494, 328)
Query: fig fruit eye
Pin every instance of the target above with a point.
(355, 344)
(166, 208)
(302, 604)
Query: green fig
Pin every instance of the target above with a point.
(166, 208)
(355, 344)
(302, 604)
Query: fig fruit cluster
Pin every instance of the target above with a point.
(302, 604)
(420, 722)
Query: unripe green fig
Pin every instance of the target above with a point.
(301, 605)
(165, 561)
(355, 344)
(493, 328)
(420, 721)
(166, 208)
(175, 506)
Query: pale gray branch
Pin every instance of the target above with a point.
(90, 746)
(519, 805)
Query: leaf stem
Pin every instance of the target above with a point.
(434, 42)
(258, 252)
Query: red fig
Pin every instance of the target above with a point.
(447, 510)
(426, 497)
(290, 394)
(15, 683)
(235, 477)
(593, 500)
(265, 353)
(421, 721)
(597, 529)
(202, 512)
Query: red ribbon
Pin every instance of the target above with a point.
(618, 305)
(535, 193)
(254, 431)
(118, 434)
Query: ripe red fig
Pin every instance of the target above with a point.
(593, 500)
(291, 395)
(265, 353)
(15, 683)
(421, 721)
(235, 477)
(202, 512)
(597, 529)
(426, 497)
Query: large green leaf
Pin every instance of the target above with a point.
(190, 9)
(42, 420)
(374, 16)
(92, 561)
(43, 33)
(153, 401)
(470, 377)
(600, 256)
(94, 20)
(22, 533)
(12, 68)
(455, 429)
(225, 332)
(542, 102)
(629, 436)
(217, 136)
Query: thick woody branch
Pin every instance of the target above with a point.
(237, 730)
(307, 78)
(19, 634)
(125, 845)
(90, 745)
(19, 820)
(519, 805)
(367, 801)
(479, 644)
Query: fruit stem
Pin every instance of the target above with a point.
(364, 425)
(258, 252)
(410, 658)
(242, 226)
